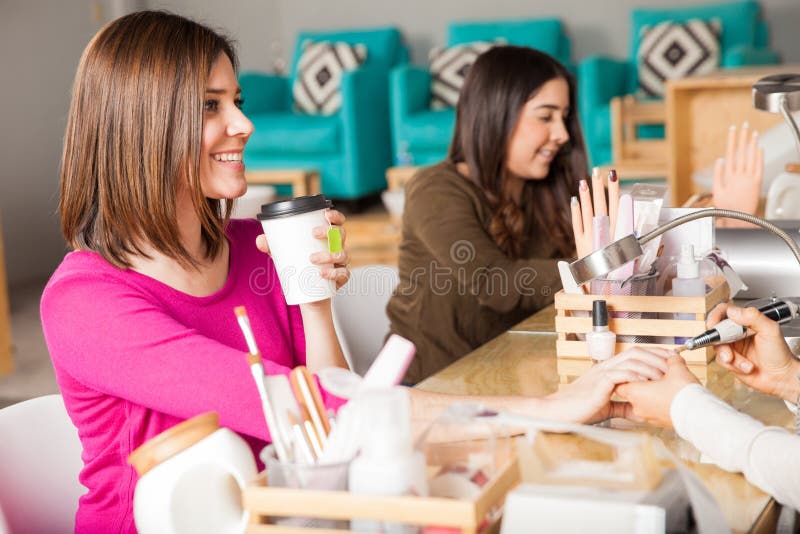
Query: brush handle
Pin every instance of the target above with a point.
(269, 415)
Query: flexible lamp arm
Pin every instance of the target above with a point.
(727, 214)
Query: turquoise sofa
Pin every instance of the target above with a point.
(744, 41)
(350, 149)
(420, 135)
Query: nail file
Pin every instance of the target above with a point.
(624, 228)
(282, 399)
(390, 365)
(567, 280)
(308, 408)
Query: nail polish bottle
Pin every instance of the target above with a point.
(600, 341)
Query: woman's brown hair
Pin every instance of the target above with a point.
(133, 139)
(495, 90)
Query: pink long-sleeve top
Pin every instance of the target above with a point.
(133, 357)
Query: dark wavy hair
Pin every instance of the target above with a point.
(496, 88)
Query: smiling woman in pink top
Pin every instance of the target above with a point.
(139, 317)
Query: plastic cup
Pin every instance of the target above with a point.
(288, 225)
(324, 477)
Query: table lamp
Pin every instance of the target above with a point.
(780, 93)
(628, 248)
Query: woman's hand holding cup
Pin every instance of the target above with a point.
(339, 272)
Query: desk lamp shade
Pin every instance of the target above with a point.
(779, 93)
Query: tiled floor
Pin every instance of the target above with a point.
(33, 373)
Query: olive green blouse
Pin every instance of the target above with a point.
(457, 289)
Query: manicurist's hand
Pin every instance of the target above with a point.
(339, 272)
(588, 398)
(650, 401)
(591, 203)
(763, 361)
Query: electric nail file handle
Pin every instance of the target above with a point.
(780, 311)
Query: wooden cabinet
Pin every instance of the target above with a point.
(699, 111)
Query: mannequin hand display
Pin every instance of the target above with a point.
(591, 204)
(738, 176)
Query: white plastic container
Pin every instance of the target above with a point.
(288, 225)
(191, 480)
(387, 465)
(783, 197)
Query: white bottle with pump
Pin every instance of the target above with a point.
(387, 464)
(688, 283)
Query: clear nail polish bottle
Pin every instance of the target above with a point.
(601, 342)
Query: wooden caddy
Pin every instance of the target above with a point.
(263, 502)
(572, 355)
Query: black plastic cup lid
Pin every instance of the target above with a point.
(295, 206)
(599, 313)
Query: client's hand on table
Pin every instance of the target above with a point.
(583, 212)
(339, 273)
(588, 398)
(763, 361)
(650, 401)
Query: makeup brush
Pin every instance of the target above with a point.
(254, 359)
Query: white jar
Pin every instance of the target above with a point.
(783, 197)
(191, 480)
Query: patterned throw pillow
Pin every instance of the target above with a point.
(449, 67)
(319, 75)
(671, 50)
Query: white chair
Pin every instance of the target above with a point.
(359, 313)
(40, 458)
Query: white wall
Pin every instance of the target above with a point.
(41, 42)
(594, 26)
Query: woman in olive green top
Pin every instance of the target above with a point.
(483, 229)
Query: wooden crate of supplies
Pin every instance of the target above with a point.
(264, 502)
(651, 317)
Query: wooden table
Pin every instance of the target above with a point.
(699, 111)
(303, 182)
(522, 361)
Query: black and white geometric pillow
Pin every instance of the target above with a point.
(319, 75)
(672, 50)
(449, 67)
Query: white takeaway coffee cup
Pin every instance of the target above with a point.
(289, 225)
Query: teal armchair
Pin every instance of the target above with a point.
(350, 149)
(744, 41)
(420, 135)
